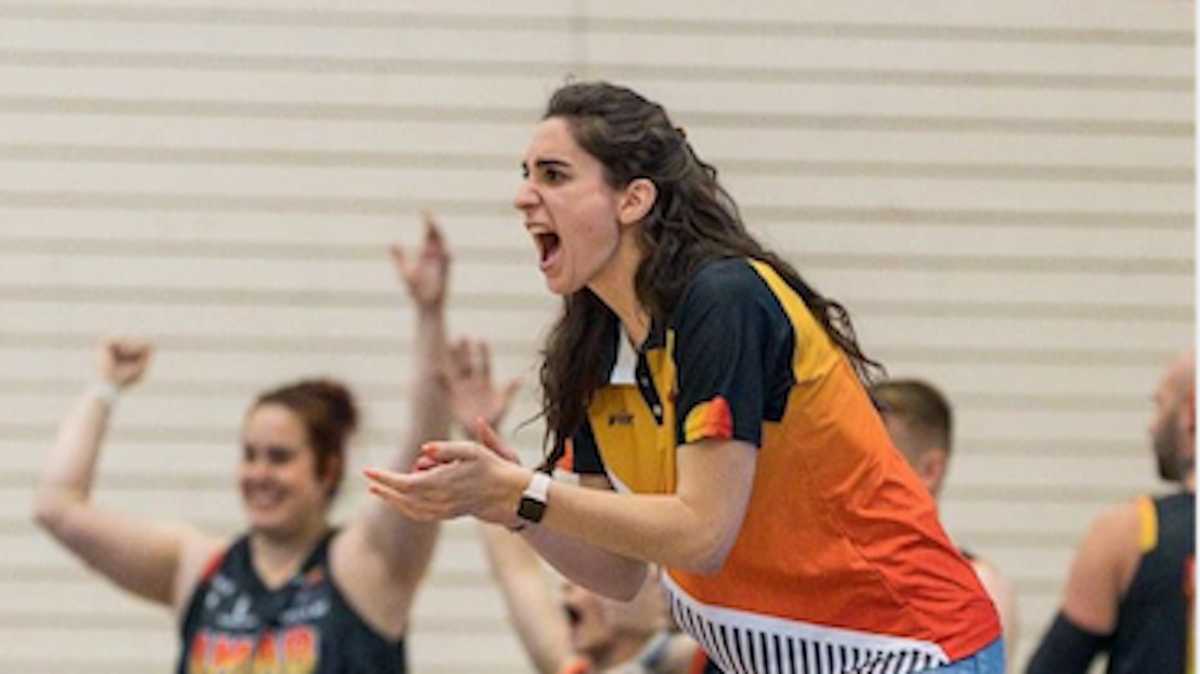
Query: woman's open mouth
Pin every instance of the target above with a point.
(549, 246)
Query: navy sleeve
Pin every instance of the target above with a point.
(1066, 649)
(721, 330)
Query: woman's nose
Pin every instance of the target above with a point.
(526, 197)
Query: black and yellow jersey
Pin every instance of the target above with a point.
(840, 564)
(1154, 617)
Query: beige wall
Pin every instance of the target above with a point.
(1001, 192)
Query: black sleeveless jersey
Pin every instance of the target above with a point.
(234, 624)
(1154, 618)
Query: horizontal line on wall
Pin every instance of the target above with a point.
(1022, 448)
(1051, 448)
(23, 527)
(129, 482)
(31, 573)
(959, 217)
(991, 538)
(112, 620)
(59, 664)
(389, 390)
(236, 249)
(539, 303)
(326, 65)
(1023, 356)
(278, 157)
(126, 433)
(201, 108)
(960, 492)
(586, 22)
(883, 31)
(388, 208)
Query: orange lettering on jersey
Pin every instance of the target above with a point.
(198, 656)
(300, 650)
(231, 654)
(266, 656)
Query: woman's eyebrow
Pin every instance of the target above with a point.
(551, 163)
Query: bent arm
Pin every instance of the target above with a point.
(155, 561)
(593, 536)
(538, 619)
(692, 529)
(1099, 574)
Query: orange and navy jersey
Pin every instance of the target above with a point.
(840, 564)
(234, 624)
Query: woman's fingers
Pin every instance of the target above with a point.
(446, 452)
(427, 497)
(424, 462)
(411, 508)
(491, 439)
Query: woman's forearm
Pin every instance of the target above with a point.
(693, 528)
(663, 529)
(595, 568)
(68, 473)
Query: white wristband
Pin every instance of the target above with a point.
(106, 392)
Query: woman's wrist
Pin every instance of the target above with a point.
(105, 391)
(515, 479)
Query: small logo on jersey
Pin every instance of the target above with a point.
(620, 419)
(237, 617)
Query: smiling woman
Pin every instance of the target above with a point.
(294, 593)
(697, 374)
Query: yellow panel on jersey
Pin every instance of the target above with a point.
(840, 564)
(1147, 524)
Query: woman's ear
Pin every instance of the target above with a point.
(636, 200)
(331, 472)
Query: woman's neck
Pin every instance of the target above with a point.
(614, 286)
(277, 558)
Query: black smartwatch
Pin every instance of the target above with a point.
(533, 500)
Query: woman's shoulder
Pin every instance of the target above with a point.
(725, 280)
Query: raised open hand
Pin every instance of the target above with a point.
(470, 390)
(424, 273)
(123, 360)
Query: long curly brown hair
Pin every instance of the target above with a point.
(692, 222)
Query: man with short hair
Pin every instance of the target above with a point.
(919, 420)
(1130, 588)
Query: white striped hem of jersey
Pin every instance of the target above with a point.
(740, 642)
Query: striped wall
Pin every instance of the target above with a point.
(1001, 192)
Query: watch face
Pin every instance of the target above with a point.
(531, 509)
